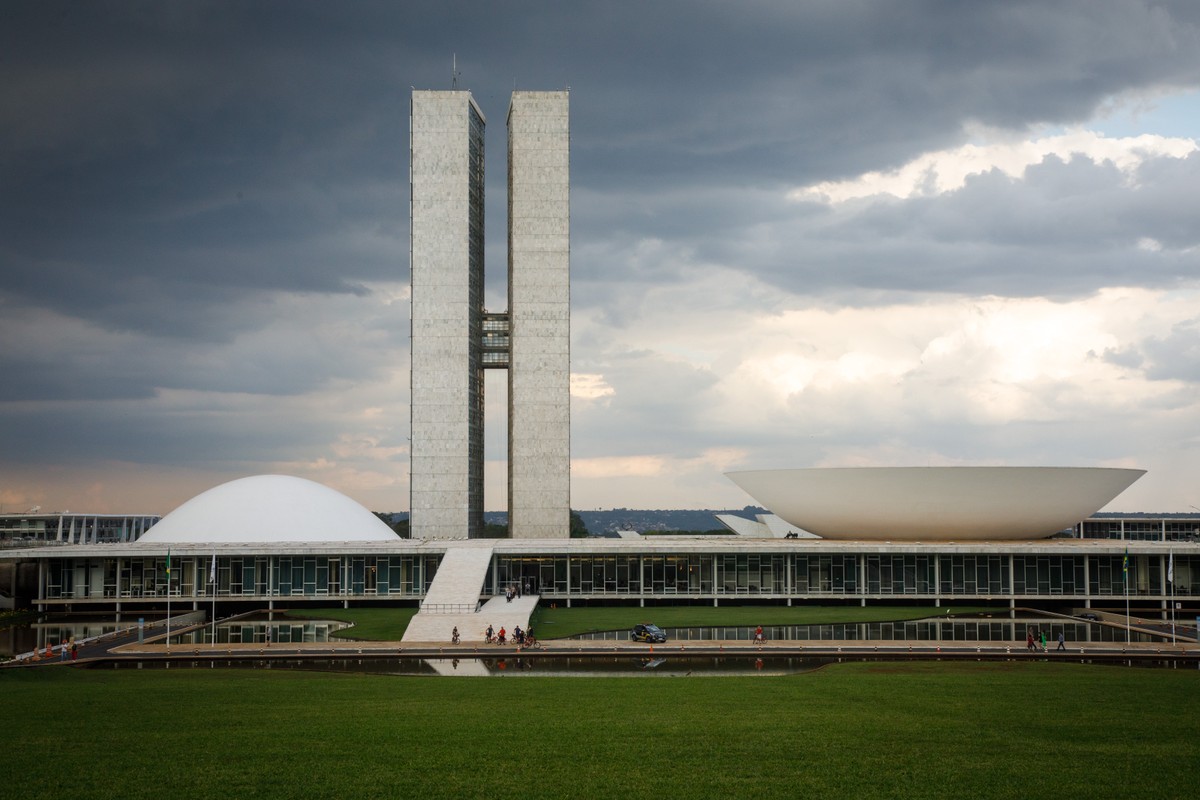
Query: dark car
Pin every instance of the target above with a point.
(1089, 615)
(647, 632)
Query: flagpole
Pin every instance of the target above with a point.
(1171, 580)
(168, 600)
(1125, 571)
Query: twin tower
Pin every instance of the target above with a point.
(454, 339)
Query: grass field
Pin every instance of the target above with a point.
(388, 624)
(551, 623)
(983, 730)
(370, 624)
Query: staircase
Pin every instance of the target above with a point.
(453, 597)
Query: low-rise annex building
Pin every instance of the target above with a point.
(274, 541)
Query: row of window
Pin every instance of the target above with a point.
(1141, 530)
(871, 574)
(632, 575)
(261, 576)
(74, 530)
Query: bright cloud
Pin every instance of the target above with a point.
(989, 349)
(589, 386)
(947, 170)
(631, 466)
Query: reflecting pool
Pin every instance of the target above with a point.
(254, 630)
(544, 666)
(924, 630)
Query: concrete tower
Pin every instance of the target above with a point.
(454, 339)
(446, 262)
(539, 309)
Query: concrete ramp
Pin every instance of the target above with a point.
(458, 582)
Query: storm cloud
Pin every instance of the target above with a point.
(812, 233)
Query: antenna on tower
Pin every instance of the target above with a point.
(454, 70)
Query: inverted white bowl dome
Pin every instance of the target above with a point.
(269, 508)
(935, 503)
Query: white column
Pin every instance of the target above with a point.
(1087, 581)
(41, 592)
(937, 582)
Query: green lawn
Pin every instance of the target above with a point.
(369, 624)
(553, 623)
(978, 730)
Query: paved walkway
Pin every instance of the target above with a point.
(460, 659)
(497, 612)
(574, 647)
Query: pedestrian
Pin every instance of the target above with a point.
(454, 635)
(63, 651)
(1043, 633)
(1061, 642)
(74, 649)
(758, 634)
(267, 636)
(490, 634)
(518, 591)
(1029, 645)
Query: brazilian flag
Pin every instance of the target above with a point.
(1124, 565)
(168, 565)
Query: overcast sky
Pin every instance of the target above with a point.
(803, 234)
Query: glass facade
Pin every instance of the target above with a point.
(824, 574)
(814, 575)
(1177, 528)
(1144, 575)
(495, 340)
(145, 578)
(974, 575)
(1048, 575)
(900, 574)
(702, 576)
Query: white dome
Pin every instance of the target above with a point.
(935, 503)
(269, 508)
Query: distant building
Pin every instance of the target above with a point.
(57, 530)
(763, 526)
(65, 527)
